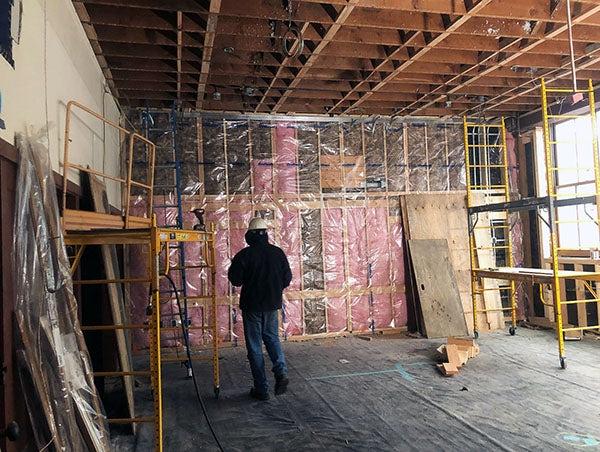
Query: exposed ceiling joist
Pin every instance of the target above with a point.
(361, 57)
(342, 16)
(510, 58)
(451, 27)
(209, 39)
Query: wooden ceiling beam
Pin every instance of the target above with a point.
(84, 17)
(186, 6)
(341, 18)
(453, 26)
(245, 48)
(110, 49)
(588, 12)
(151, 65)
(373, 12)
(552, 77)
(283, 66)
(128, 17)
(209, 39)
(324, 40)
(387, 29)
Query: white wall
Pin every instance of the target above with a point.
(54, 63)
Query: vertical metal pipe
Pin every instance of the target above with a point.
(570, 28)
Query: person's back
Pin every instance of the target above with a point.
(263, 271)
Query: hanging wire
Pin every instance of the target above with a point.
(292, 41)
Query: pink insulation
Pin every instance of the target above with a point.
(344, 244)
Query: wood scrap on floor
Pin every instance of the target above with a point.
(440, 302)
(456, 353)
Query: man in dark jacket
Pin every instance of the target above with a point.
(263, 272)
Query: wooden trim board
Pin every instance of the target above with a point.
(115, 295)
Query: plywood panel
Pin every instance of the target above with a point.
(115, 294)
(486, 259)
(347, 171)
(444, 216)
(439, 297)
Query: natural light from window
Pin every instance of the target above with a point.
(575, 178)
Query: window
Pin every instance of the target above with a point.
(574, 177)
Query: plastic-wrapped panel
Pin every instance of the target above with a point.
(330, 194)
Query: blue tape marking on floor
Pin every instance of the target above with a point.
(580, 440)
(399, 368)
(403, 372)
(353, 374)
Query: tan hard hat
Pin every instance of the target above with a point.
(257, 223)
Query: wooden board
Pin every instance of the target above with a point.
(346, 171)
(115, 295)
(536, 275)
(486, 259)
(439, 297)
(444, 216)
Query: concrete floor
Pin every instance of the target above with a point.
(386, 394)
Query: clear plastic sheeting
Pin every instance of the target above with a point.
(53, 362)
(329, 191)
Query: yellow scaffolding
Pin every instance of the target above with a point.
(85, 228)
(487, 174)
(549, 203)
(554, 199)
(157, 239)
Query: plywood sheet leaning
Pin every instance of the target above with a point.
(486, 259)
(115, 294)
(444, 216)
(439, 297)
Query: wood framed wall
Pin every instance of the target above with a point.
(319, 184)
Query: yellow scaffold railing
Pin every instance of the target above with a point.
(487, 179)
(553, 174)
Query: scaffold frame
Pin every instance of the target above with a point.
(550, 203)
(156, 239)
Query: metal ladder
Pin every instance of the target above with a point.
(151, 120)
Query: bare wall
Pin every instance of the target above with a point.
(54, 63)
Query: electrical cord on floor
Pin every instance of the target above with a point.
(186, 339)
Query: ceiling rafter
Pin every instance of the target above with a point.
(388, 56)
(280, 69)
(406, 39)
(342, 16)
(84, 16)
(551, 76)
(186, 6)
(489, 69)
(474, 9)
(207, 50)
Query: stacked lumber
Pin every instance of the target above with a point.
(456, 352)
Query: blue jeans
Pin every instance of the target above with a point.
(262, 327)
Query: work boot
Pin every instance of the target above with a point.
(281, 384)
(258, 395)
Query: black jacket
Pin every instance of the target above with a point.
(263, 272)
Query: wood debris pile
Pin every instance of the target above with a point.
(456, 352)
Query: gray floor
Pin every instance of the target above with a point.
(386, 394)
